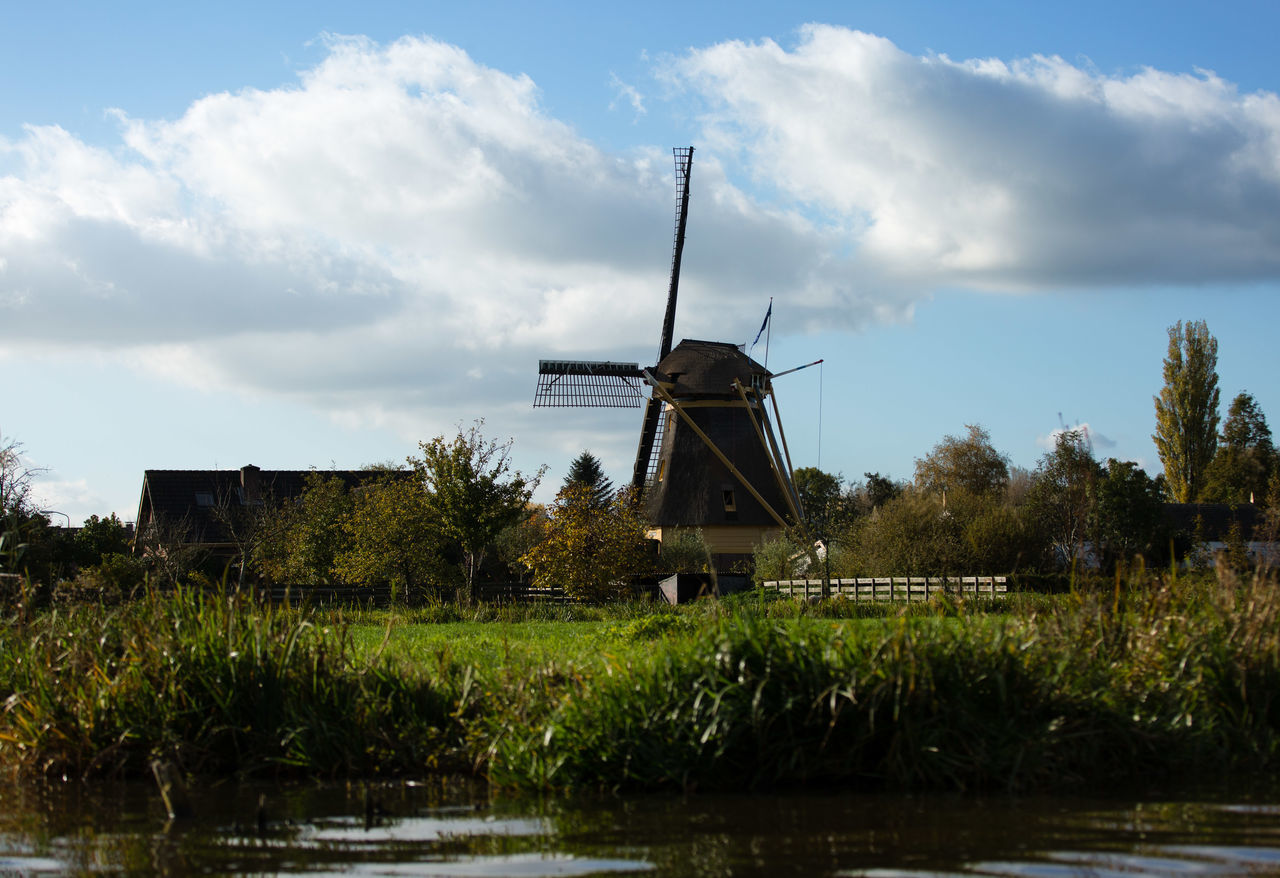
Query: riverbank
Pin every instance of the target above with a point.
(1156, 678)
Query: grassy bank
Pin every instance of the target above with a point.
(1152, 678)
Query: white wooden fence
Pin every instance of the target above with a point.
(894, 588)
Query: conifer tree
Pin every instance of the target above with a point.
(1246, 456)
(1186, 433)
(585, 470)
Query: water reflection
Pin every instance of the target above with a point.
(456, 829)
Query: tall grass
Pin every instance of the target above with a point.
(1148, 677)
(216, 684)
(1156, 678)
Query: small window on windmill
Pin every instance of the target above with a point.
(729, 504)
(204, 498)
(662, 469)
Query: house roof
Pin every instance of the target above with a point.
(1212, 521)
(189, 498)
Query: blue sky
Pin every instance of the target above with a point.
(313, 234)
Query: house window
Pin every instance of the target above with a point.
(204, 498)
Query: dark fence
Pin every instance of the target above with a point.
(380, 595)
(519, 593)
(324, 595)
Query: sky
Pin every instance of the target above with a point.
(314, 235)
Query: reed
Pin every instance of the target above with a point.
(1146, 677)
(1157, 678)
(213, 683)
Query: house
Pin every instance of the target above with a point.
(202, 508)
(1210, 529)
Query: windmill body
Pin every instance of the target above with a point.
(715, 467)
(708, 456)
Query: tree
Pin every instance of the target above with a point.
(969, 463)
(1062, 494)
(880, 489)
(472, 493)
(391, 537)
(1246, 457)
(911, 535)
(306, 537)
(16, 477)
(1187, 409)
(1128, 515)
(588, 551)
(820, 498)
(585, 470)
(17, 517)
(100, 537)
(246, 524)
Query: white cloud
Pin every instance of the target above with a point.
(396, 238)
(1024, 174)
(626, 92)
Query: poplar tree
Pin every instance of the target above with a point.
(1186, 433)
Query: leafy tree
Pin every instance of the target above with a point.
(471, 494)
(588, 551)
(1129, 515)
(305, 538)
(100, 537)
(1246, 457)
(820, 498)
(586, 470)
(391, 537)
(911, 535)
(684, 551)
(516, 540)
(1062, 494)
(964, 463)
(1187, 409)
(778, 557)
(880, 489)
(997, 536)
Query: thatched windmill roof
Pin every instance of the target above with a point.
(708, 369)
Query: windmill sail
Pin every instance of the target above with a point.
(651, 427)
(587, 383)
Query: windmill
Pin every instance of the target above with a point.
(708, 456)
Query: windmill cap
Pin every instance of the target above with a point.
(708, 368)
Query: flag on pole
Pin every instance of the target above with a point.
(767, 315)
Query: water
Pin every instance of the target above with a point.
(456, 829)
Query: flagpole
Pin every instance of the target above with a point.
(768, 333)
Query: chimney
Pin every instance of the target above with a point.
(250, 484)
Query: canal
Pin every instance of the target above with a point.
(457, 828)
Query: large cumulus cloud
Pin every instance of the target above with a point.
(401, 228)
(1027, 173)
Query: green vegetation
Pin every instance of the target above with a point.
(1137, 680)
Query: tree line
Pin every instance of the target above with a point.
(458, 513)
(967, 510)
